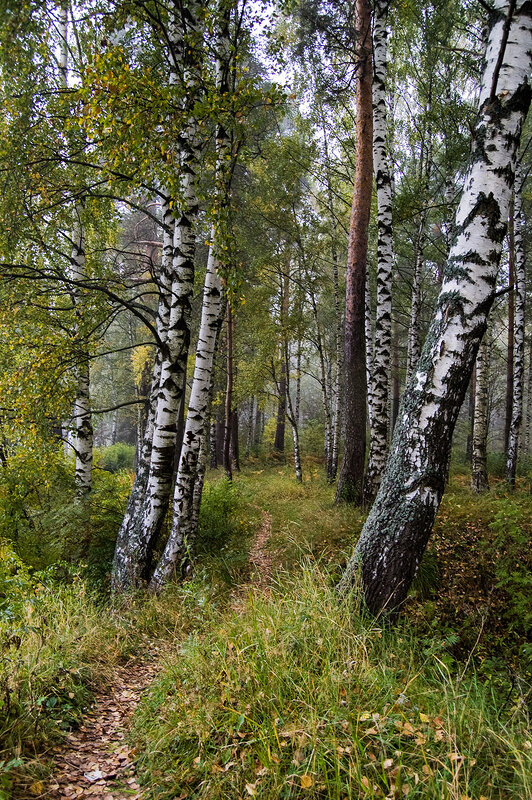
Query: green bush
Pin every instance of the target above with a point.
(513, 563)
(116, 457)
(218, 515)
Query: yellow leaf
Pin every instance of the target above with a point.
(424, 717)
(306, 781)
(37, 788)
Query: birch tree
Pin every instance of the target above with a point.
(479, 465)
(149, 501)
(519, 334)
(380, 378)
(400, 522)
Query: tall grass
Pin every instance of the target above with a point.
(296, 695)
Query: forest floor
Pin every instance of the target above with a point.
(95, 760)
(250, 680)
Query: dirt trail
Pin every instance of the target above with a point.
(260, 557)
(95, 760)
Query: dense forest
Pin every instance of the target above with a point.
(265, 399)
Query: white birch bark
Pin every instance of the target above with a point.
(381, 367)
(400, 522)
(369, 348)
(528, 417)
(479, 465)
(83, 440)
(149, 505)
(130, 551)
(180, 539)
(519, 336)
(83, 436)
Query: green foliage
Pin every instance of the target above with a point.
(40, 516)
(513, 564)
(117, 457)
(295, 695)
(218, 515)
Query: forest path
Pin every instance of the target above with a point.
(260, 557)
(95, 760)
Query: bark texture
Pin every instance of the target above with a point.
(519, 335)
(351, 477)
(400, 522)
(193, 451)
(380, 378)
(479, 464)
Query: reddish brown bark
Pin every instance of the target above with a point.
(351, 478)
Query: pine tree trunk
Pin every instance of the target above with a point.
(398, 527)
(479, 463)
(516, 244)
(351, 478)
(380, 379)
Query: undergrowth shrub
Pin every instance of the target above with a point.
(116, 457)
(45, 524)
(295, 695)
(513, 564)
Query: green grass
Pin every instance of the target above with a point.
(296, 695)
(289, 693)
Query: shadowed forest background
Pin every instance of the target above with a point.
(265, 400)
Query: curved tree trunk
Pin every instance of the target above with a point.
(400, 522)
(351, 478)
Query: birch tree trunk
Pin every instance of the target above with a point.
(150, 496)
(193, 452)
(528, 418)
(479, 464)
(129, 551)
(351, 478)
(511, 335)
(82, 405)
(83, 437)
(519, 335)
(368, 330)
(380, 378)
(400, 522)
(227, 461)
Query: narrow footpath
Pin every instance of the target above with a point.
(95, 760)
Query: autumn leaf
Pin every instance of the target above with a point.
(306, 781)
